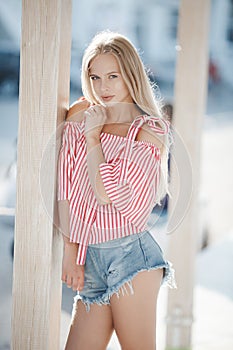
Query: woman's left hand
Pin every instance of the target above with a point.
(72, 274)
(95, 118)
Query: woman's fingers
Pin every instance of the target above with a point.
(69, 281)
(63, 277)
(95, 119)
(75, 280)
(75, 283)
(78, 283)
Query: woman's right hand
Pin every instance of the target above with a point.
(72, 274)
(95, 118)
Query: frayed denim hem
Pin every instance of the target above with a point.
(169, 276)
(126, 286)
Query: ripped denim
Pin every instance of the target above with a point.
(111, 266)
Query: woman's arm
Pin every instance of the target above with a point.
(64, 225)
(72, 274)
(95, 120)
(148, 135)
(94, 158)
(94, 150)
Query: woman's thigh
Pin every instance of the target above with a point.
(134, 315)
(90, 330)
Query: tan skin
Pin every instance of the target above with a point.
(132, 316)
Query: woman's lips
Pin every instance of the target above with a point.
(106, 98)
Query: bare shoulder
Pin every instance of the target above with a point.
(148, 135)
(76, 110)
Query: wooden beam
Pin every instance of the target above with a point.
(189, 109)
(43, 100)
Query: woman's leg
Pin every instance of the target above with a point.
(90, 330)
(134, 315)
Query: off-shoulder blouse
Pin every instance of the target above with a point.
(130, 174)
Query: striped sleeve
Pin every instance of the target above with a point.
(135, 193)
(135, 197)
(66, 161)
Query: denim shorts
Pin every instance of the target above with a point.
(111, 266)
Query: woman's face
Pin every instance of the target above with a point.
(106, 80)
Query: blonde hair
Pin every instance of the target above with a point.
(135, 78)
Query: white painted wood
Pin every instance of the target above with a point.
(44, 98)
(189, 109)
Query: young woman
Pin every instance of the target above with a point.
(112, 172)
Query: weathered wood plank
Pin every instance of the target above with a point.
(189, 109)
(44, 97)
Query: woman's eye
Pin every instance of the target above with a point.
(93, 77)
(112, 76)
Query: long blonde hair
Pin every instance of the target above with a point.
(136, 80)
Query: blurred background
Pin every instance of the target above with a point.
(152, 27)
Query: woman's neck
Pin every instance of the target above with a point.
(120, 117)
(122, 112)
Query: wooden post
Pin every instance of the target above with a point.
(189, 108)
(44, 98)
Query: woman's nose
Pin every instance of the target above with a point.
(104, 85)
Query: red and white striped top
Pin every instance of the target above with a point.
(130, 176)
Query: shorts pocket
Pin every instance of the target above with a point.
(156, 243)
(153, 254)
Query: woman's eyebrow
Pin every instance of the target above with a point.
(113, 72)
